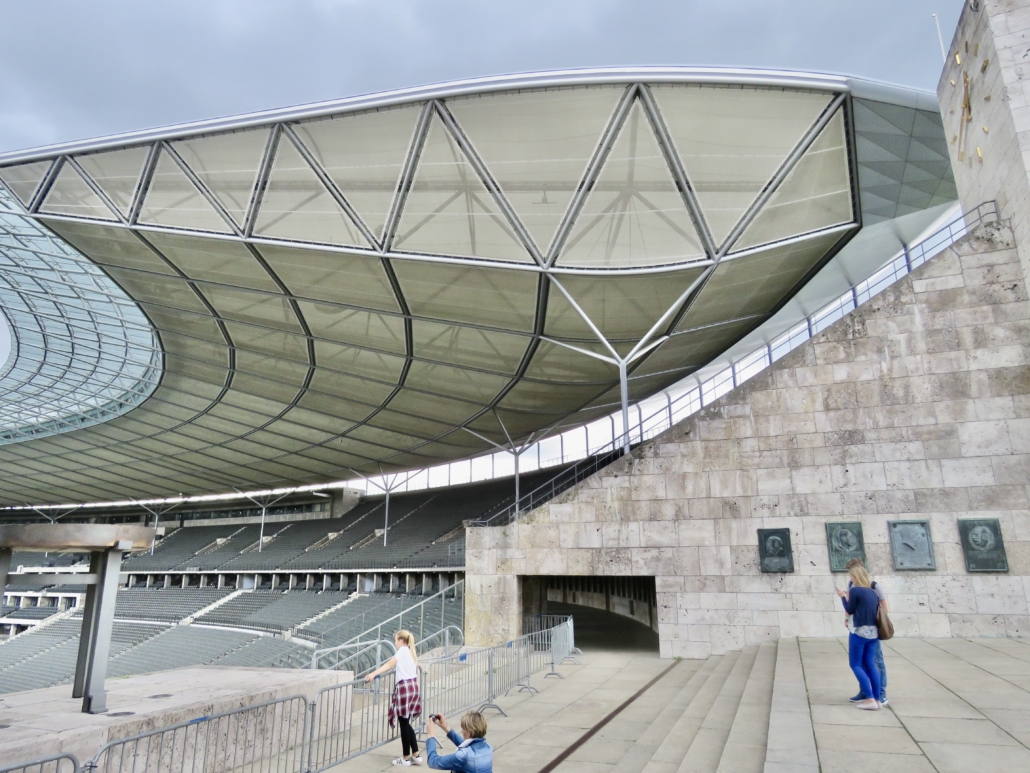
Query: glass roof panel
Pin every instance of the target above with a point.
(693, 349)
(359, 328)
(456, 382)
(110, 246)
(816, 194)
(71, 195)
(278, 343)
(168, 291)
(116, 173)
(252, 307)
(468, 346)
(440, 408)
(623, 307)
(360, 392)
(733, 139)
(551, 399)
(173, 200)
(24, 179)
(214, 260)
(357, 280)
(461, 293)
(296, 205)
(634, 215)
(449, 211)
(552, 362)
(755, 284)
(228, 165)
(359, 362)
(537, 145)
(364, 156)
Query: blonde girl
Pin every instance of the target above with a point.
(406, 702)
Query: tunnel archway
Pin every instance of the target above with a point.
(609, 613)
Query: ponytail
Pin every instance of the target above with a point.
(409, 641)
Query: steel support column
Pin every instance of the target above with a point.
(624, 393)
(97, 623)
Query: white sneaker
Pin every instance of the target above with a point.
(416, 760)
(400, 762)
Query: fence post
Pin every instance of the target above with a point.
(554, 663)
(490, 685)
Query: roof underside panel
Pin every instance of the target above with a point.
(355, 289)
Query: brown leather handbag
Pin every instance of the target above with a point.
(884, 626)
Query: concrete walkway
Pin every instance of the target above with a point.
(955, 705)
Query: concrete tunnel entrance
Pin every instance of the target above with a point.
(609, 613)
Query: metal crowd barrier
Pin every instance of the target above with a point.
(265, 738)
(294, 735)
(59, 763)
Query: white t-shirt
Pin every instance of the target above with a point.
(405, 665)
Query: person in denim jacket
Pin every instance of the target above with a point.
(473, 755)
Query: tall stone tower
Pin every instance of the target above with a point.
(984, 94)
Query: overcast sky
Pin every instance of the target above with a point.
(71, 69)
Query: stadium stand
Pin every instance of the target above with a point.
(178, 546)
(165, 604)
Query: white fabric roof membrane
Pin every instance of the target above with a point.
(401, 281)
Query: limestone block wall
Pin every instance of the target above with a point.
(990, 155)
(917, 405)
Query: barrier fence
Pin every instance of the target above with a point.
(59, 763)
(295, 735)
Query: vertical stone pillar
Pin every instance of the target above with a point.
(985, 102)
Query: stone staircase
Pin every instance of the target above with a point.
(713, 716)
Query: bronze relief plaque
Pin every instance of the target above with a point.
(982, 545)
(911, 545)
(845, 542)
(774, 552)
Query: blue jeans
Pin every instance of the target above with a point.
(882, 668)
(862, 659)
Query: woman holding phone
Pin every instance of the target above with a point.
(862, 603)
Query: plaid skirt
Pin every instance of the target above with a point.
(405, 701)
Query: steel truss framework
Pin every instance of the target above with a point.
(390, 286)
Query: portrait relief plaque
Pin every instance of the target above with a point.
(774, 551)
(845, 542)
(982, 545)
(911, 545)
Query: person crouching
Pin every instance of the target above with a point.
(473, 755)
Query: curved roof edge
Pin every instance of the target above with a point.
(859, 87)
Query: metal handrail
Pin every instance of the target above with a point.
(376, 631)
(901, 265)
(51, 764)
(318, 655)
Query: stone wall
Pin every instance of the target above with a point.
(917, 405)
(990, 155)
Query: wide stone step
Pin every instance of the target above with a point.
(671, 752)
(707, 747)
(744, 751)
(664, 712)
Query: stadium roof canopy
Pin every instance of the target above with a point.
(393, 281)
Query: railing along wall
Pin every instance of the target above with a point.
(677, 409)
(415, 619)
(295, 735)
(59, 763)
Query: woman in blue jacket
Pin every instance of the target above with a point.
(473, 755)
(862, 603)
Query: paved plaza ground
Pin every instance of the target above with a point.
(955, 705)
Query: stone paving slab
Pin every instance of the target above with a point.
(955, 705)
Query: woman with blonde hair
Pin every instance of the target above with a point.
(405, 703)
(862, 603)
